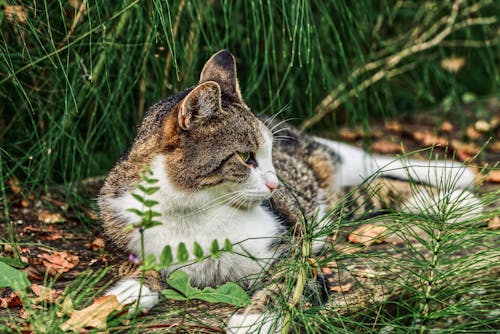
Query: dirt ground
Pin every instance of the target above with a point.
(56, 239)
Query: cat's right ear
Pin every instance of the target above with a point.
(199, 105)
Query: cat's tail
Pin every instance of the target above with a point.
(356, 165)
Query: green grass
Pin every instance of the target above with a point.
(72, 91)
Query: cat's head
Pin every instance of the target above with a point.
(212, 141)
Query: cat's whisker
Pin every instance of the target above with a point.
(271, 119)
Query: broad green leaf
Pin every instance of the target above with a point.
(13, 278)
(151, 181)
(182, 253)
(147, 190)
(136, 211)
(149, 203)
(179, 281)
(166, 257)
(138, 197)
(172, 294)
(149, 262)
(16, 263)
(229, 293)
(228, 246)
(198, 251)
(214, 249)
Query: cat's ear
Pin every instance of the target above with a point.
(199, 105)
(221, 68)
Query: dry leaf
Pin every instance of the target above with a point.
(472, 133)
(427, 138)
(93, 316)
(50, 295)
(59, 262)
(493, 176)
(494, 223)
(465, 151)
(453, 64)
(15, 14)
(48, 217)
(385, 147)
(482, 126)
(10, 301)
(341, 288)
(14, 185)
(367, 234)
(394, 126)
(97, 244)
(495, 147)
(349, 134)
(446, 126)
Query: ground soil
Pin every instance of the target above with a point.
(78, 231)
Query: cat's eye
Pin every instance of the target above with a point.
(248, 158)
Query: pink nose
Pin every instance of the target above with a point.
(272, 185)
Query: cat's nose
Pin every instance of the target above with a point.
(272, 181)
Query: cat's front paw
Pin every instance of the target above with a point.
(127, 291)
(258, 323)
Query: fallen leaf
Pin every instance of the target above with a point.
(495, 147)
(384, 146)
(349, 134)
(48, 217)
(446, 126)
(97, 244)
(452, 64)
(48, 294)
(465, 151)
(10, 301)
(393, 126)
(14, 185)
(472, 133)
(367, 234)
(35, 273)
(15, 14)
(59, 262)
(427, 138)
(326, 270)
(493, 176)
(93, 316)
(341, 288)
(482, 126)
(494, 223)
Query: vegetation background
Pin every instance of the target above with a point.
(76, 76)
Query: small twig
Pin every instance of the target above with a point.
(168, 61)
(387, 64)
(76, 19)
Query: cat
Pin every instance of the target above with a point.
(224, 173)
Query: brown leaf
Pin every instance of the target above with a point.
(349, 134)
(384, 146)
(495, 147)
(48, 217)
(446, 126)
(367, 234)
(10, 301)
(493, 176)
(472, 133)
(494, 223)
(465, 151)
(341, 288)
(453, 64)
(427, 138)
(59, 262)
(94, 316)
(97, 244)
(50, 295)
(482, 126)
(14, 185)
(15, 14)
(393, 126)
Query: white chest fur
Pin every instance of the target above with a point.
(201, 218)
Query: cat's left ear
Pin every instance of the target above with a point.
(221, 68)
(199, 105)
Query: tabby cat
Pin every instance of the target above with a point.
(225, 173)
